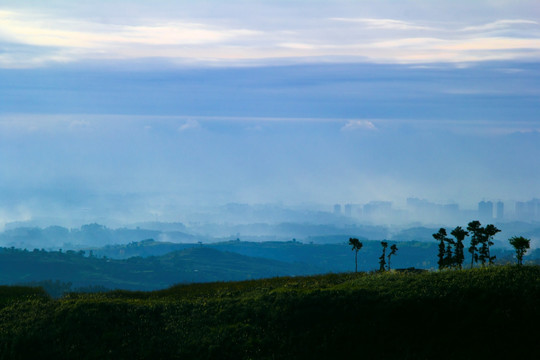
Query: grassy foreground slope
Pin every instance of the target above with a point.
(490, 313)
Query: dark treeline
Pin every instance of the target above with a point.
(451, 253)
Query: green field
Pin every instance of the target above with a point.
(484, 313)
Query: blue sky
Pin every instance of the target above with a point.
(145, 109)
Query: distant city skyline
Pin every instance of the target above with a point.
(385, 213)
(422, 210)
(119, 112)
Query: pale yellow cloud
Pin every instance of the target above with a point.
(492, 43)
(32, 29)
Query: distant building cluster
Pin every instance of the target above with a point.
(486, 210)
(425, 211)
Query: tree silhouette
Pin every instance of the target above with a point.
(521, 245)
(441, 238)
(356, 246)
(448, 259)
(393, 250)
(477, 232)
(489, 232)
(459, 233)
(382, 258)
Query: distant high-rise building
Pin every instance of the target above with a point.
(534, 204)
(500, 210)
(377, 208)
(485, 210)
(529, 210)
(348, 210)
(423, 210)
(449, 211)
(415, 202)
(337, 209)
(521, 210)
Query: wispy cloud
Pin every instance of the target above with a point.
(62, 40)
(188, 125)
(352, 125)
(389, 24)
(499, 24)
(299, 46)
(491, 43)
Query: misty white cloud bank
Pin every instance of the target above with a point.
(124, 169)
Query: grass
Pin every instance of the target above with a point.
(467, 314)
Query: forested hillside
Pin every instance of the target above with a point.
(196, 264)
(152, 265)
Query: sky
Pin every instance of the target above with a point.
(138, 110)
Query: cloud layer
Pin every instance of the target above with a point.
(37, 36)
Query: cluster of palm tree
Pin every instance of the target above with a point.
(451, 250)
(383, 264)
(451, 254)
(384, 259)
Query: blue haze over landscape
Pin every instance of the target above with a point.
(122, 112)
(269, 179)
